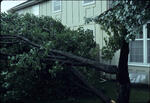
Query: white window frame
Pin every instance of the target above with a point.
(90, 3)
(145, 61)
(36, 10)
(146, 42)
(55, 11)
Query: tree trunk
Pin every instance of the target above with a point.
(123, 75)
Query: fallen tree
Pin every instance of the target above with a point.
(41, 58)
(71, 60)
(65, 57)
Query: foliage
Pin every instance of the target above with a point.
(26, 75)
(127, 15)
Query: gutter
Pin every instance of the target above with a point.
(25, 5)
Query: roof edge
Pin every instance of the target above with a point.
(25, 5)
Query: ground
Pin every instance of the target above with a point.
(139, 94)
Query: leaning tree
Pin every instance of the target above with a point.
(122, 23)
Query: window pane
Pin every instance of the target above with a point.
(88, 1)
(148, 51)
(148, 30)
(140, 35)
(136, 51)
(57, 5)
(56, 8)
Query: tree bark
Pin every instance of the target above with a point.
(123, 75)
(111, 69)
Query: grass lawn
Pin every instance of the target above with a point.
(140, 94)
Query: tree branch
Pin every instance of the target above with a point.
(91, 63)
(84, 61)
(98, 93)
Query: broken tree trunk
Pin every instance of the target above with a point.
(123, 75)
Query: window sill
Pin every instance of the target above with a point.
(139, 64)
(86, 4)
(58, 11)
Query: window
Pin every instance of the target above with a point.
(87, 2)
(56, 5)
(35, 10)
(136, 49)
(140, 48)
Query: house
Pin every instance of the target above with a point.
(72, 13)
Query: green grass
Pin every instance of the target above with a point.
(138, 94)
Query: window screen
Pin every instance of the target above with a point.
(56, 5)
(136, 51)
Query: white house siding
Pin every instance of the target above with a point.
(72, 15)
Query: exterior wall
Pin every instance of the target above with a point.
(24, 11)
(72, 15)
(73, 12)
(27, 10)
